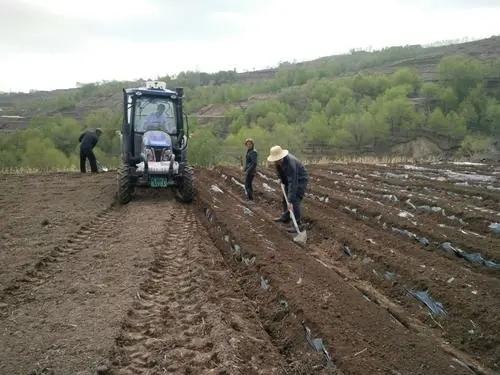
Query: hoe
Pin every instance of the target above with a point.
(301, 237)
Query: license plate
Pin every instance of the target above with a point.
(158, 182)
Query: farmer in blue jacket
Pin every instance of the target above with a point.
(88, 139)
(294, 176)
(250, 167)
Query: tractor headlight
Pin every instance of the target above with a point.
(166, 154)
(150, 155)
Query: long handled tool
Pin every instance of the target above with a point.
(101, 167)
(301, 237)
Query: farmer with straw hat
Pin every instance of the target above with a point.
(294, 177)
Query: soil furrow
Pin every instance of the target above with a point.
(318, 288)
(413, 267)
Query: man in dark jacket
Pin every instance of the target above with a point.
(294, 176)
(250, 167)
(88, 139)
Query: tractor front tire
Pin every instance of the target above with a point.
(185, 190)
(125, 188)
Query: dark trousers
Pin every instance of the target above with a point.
(248, 185)
(84, 154)
(296, 203)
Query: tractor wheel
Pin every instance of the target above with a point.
(185, 190)
(125, 188)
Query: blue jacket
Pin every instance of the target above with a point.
(88, 139)
(294, 176)
(251, 162)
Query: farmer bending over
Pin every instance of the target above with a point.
(293, 175)
(88, 139)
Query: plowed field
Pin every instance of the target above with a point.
(217, 287)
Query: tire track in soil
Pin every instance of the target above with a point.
(66, 324)
(185, 318)
(320, 250)
(40, 211)
(101, 227)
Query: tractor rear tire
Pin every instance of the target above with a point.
(185, 190)
(125, 188)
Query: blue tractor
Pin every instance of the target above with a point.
(154, 142)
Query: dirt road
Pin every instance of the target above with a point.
(157, 287)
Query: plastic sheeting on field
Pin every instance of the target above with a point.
(389, 275)
(476, 258)
(347, 251)
(235, 181)
(422, 240)
(268, 188)
(433, 209)
(264, 284)
(434, 306)
(469, 177)
(318, 345)
(390, 197)
(216, 189)
(248, 261)
(495, 228)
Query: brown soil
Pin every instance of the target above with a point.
(158, 287)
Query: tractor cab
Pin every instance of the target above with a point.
(154, 140)
(153, 108)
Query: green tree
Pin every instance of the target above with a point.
(65, 135)
(270, 120)
(289, 137)
(474, 144)
(370, 85)
(204, 148)
(461, 73)
(317, 130)
(451, 125)
(397, 113)
(109, 121)
(473, 109)
(356, 130)
(41, 154)
(396, 92)
(491, 119)
(342, 102)
(262, 108)
(408, 77)
(320, 90)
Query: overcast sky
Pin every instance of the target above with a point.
(48, 44)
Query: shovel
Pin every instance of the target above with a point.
(301, 237)
(100, 167)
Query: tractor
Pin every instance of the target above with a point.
(154, 138)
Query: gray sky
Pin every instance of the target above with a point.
(48, 44)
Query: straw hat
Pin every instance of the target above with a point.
(249, 140)
(276, 153)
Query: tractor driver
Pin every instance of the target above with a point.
(159, 121)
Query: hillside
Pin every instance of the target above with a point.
(407, 101)
(424, 60)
